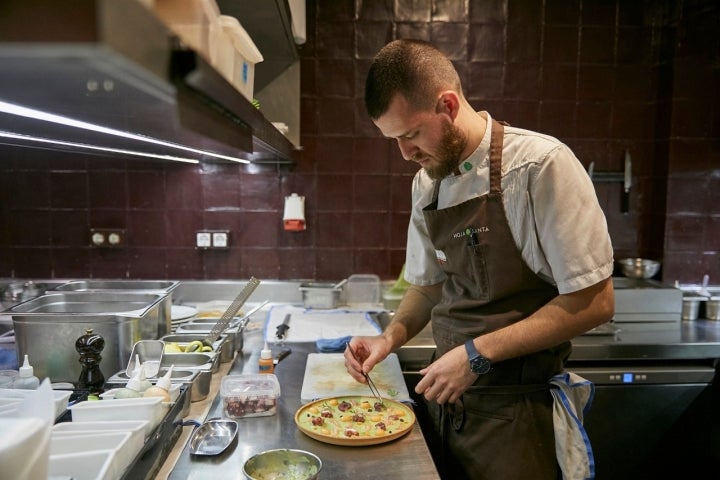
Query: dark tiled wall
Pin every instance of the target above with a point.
(692, 233)
(603, 76)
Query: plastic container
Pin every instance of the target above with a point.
(7, 378)
(363, 290)
(233, 53)
(26, 379)
(190, 19)
(253, 395)
(320, 295)
(150, 409)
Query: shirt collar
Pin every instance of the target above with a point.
(481, 156)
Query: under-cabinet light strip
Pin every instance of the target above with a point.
(50, 117)
(85, 146)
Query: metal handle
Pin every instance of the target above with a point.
(229, 314)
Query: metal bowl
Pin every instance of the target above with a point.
(639, 267)
(283, 463)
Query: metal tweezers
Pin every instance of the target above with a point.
(371, 384)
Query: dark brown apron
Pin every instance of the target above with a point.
(502, 426)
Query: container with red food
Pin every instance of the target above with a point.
(249, 395)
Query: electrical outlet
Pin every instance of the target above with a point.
(212, 239)
(107, 237)
(203, 239)
(220, 239)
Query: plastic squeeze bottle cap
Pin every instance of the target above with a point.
(25, 378)
(164, 382)
(26, 370)
(135, 383)
(266, 364)
(265, 353)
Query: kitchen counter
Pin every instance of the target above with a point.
(651, 341)
(408, 455)
(694, 340)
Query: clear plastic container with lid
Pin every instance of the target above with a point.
(252, 395)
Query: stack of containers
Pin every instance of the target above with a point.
(189, 19)
(233, 54)
(220, 39)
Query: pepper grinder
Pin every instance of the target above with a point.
(89, 347)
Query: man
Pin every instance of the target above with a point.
(508, 255)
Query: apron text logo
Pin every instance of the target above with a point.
(469, 231)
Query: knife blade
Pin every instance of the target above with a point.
(627, 183)
(282, 329)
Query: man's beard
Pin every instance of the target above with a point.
(452, 144)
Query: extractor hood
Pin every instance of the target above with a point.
(138, 79)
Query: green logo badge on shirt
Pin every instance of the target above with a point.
(467, 166)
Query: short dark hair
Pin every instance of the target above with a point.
(413, 68)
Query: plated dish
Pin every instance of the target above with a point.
(354, 420)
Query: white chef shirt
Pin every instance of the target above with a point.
(550, 203)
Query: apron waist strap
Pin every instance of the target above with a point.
(505, 389)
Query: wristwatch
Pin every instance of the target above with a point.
(479, 365)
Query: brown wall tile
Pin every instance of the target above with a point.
(601, 76)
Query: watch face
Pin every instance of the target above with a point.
(480, 365)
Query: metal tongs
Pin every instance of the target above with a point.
(371, 384)
(245, 319)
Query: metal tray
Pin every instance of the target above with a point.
(213, 437)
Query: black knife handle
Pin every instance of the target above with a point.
(625, 201)
(281, 330)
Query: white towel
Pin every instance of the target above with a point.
(572, 397)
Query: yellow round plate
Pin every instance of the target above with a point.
(397, 417)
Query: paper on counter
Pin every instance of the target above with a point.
(309, 325)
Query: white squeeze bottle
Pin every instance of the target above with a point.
(266, 364)
(26, 379)
(139, 372)
(162, 387)
(132, 388)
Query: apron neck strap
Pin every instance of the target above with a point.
(496, 146)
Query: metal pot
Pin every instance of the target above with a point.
(712, 308)
(47, 326)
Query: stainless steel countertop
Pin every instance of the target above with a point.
(694, 340)
(409, 455)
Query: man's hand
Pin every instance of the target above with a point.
(370, 351)
(446, 378)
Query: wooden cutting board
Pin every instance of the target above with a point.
(326, 376)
